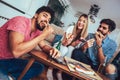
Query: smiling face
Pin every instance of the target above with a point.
(82, 22)
(104, 29)
(42, 20)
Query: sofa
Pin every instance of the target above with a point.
(55, 36)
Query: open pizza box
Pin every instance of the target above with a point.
(82, 69)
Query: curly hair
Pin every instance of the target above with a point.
(46, 9)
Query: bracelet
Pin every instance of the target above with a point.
(99, 46)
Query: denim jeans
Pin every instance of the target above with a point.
(112, 76)
(14, 67)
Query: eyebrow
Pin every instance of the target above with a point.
(45, 14)
(102, 27)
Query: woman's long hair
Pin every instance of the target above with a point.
(83, 33)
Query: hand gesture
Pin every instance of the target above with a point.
(75, 43)
(99, 37)
(67, 39)
(47, 30)
(55, 53)
(89, 43)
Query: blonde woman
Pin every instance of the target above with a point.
(73, 36)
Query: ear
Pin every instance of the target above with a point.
(36, 15)
(109, 32)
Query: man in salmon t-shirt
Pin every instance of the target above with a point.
(20, 35)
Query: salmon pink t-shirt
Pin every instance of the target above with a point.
(19, 24)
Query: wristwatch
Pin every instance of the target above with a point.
(99, 46)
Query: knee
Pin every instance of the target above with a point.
(111, 72)
(110, 69)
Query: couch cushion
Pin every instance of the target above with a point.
(56, 35)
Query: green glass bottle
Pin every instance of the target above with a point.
(58, 45)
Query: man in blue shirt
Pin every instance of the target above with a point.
(98, 47)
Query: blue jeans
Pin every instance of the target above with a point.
(112, 76)
(14, 67)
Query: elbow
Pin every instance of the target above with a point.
(15, 54)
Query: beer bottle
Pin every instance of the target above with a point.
(58, 45)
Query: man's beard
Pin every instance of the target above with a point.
(39, 27)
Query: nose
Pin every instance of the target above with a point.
(100, 28)
(47, 20)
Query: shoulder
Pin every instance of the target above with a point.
(111, 42)
(18, 17)
(20, 20)
(19, 24)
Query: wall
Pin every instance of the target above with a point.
(27, 6)
(115, 35)
(30, 6)
(92, 27)
(69, 17)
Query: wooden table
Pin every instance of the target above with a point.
(42, 57)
